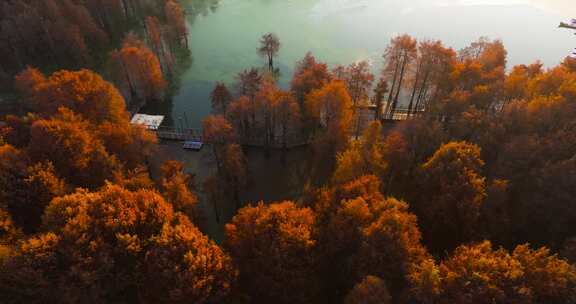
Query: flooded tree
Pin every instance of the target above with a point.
(398, 57)
(220, 98)
(218, 132)
(248, 82)
(269, 48)
(378, 98)
(309, 75)
(240, 114)
(288, 116)
(358, 80)
(331, 109)
(431, 64)
(177, 188)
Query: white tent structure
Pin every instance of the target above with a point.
(150, 122)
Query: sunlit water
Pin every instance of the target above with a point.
(223, 41)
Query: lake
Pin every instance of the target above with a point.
(224, 35)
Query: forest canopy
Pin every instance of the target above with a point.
(459, 187)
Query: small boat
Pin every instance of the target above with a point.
(193, 145)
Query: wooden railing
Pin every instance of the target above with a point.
(292, 140)
(401, 114)
(171, 133)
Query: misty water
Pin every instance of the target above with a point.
(224, 35)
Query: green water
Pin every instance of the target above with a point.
(224, 36)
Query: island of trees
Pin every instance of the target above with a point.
(470, 199)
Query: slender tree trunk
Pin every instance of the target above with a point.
(247, 131)
(103, 18)
(125, 7)
(169, 58)
(16, 54)
(217, 158)
(150, 91)
(378, 110)
(402, 72)
(270, 63)
(422, 89)
(389, 183)
(357, 133)
(284, 143)
(391, 93)
(414, 89)
(354, 92)
(267, 133)
(237, 198)
(128, 80)
(216, 210)
(49, 39)
(422, 99)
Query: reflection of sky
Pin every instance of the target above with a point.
(527, 27)
(565, 8)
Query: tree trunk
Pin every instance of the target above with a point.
(423, 88)
(125, 7)
(217, 159)
(357, 123)
(128, 80)
(402, 72)
(16, 54)
(396, 70)
(270, 63)
(186, 40)
(422, 98)
(216, 210)
(284, 144)
(237, 198)
(378, 110)
(414, 89)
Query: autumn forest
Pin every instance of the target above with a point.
(435, 175)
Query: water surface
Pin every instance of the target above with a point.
(225, 35)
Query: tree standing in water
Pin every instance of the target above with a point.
(269, 47)
(379, 95)
(398, 56)
(220, 98)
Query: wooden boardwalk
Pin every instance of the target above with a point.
(399, 114)
(183, 134)
(171, 133)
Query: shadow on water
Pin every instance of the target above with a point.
(278, 176)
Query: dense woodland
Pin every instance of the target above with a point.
(469, 200)
(135, 43)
